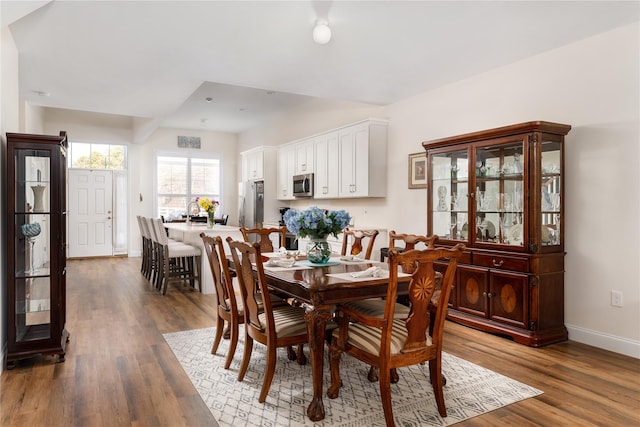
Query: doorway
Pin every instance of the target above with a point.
(90, 210)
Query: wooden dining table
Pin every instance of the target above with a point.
(319, 292)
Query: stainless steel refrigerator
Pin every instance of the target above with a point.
(251, 208)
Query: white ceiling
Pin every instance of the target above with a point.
(159, 60)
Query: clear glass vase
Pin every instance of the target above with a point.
(210, 219)
(318, 250)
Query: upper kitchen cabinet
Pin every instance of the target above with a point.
(253, 162)
(327, 155)
(350, 161)
(304, 157)
(363, 159)
(286, 167)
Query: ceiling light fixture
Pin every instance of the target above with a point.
(321, 32)
(208, 99)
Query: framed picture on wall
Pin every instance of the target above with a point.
(418, 170)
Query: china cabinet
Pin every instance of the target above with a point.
(36, 252)
(501, 193)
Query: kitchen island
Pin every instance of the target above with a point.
(190, 233)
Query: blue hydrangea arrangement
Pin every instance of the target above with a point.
(315, 222)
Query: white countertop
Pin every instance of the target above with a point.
(199, 227)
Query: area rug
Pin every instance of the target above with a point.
(470, 390)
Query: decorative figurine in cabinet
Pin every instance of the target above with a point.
(500, 191)
(36, 236)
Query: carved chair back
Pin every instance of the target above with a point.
(263, 236)
(357, 238)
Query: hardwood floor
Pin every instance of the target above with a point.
(119, 371)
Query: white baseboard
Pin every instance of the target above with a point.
(605, 341)
(134, 254)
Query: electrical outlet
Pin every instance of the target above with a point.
(616, 298)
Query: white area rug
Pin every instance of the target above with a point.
(470, 390)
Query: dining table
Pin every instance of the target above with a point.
(319, 288)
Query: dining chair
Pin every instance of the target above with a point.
(145, 267)
(354, 240)
(376, 306)
(275, 325)
(387, 342)
(177, 261)
(263, 237)
(229, 310)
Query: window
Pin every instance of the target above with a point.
(97, 156)
(180, 179)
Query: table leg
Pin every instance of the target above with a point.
(317, 319)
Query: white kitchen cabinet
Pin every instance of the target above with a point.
(363, 162)
(253, 164)
(327, 158)
(304, 156)
(286, 168)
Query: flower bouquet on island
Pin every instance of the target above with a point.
(209, 207)
(317, 224)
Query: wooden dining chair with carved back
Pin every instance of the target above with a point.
(376, 306)
(275, 325)
(229, 310)
(354, 240)
(263, 237)
(388, 342)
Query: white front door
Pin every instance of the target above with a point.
(90, 208)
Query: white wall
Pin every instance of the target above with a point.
(592, 85)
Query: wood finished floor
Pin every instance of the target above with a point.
(120, 372)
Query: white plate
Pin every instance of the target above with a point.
(515, 235)
(490, 229)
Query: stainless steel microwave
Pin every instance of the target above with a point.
(303, 185)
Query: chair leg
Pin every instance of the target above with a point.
(268, 375)
(198, 262)
(216, 341)
(246, 356)
(385, 394)
(291, 353)
(372, 376)
(334, 361)
(302, 359)
(232, 345)
(435, 372)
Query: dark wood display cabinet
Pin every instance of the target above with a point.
(500, 192)
(36, 246)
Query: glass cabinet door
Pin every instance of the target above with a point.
(32, 245)
(499, 194)
(450, 192)
(551, 200)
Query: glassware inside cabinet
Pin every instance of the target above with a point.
(551, 197)
(450, 193)
(499, 194)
